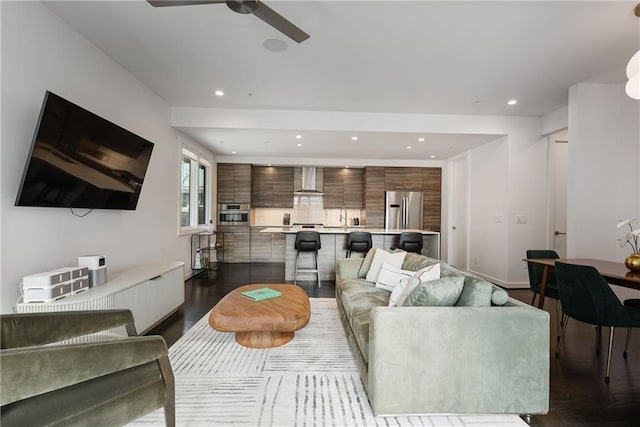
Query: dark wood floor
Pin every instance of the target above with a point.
(579, 395)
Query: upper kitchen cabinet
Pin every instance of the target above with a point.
(374, 196)
(407, 179)
(432, 198)
(272, 187)
(343, 187)
(234, 183)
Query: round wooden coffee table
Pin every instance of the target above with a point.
(262, 324)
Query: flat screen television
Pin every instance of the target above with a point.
(80, 160)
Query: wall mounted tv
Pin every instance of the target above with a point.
(80, 160)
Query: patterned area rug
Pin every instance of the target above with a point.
(310, 381)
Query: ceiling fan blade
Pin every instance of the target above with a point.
(162, 3)
(279, 22)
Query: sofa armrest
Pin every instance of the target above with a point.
(347, 268)
(29, 371)
(29, 329)
(460, 360)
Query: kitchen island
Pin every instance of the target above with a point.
(333, 241)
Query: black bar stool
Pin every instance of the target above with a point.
(358, 241)
(307, 241)
(410, 242)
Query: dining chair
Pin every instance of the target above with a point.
(535, 280)
(587, 297)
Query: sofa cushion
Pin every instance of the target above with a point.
(443, 292)
(366, 263)
(475, 293)
(395, 259)
(390, 276)
(415, 262)
(358, 298)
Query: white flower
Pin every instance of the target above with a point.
(624, 222)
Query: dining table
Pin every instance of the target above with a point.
(615, 273)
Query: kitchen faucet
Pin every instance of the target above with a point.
(343, 217)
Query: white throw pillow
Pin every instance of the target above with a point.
(402, 291)
(390, 276)
(406, 286)
(429, 273)
(395, 259)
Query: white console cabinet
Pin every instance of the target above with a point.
(152, 292)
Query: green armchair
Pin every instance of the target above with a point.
(108, 382)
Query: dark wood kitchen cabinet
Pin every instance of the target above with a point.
(272, 187)
(234, 183)
(235, 242)
(403, 179)
(431, 198)
(374, 196)
(343, 187)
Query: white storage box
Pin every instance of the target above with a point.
(46, 287)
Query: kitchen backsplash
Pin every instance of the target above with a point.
(273, 216)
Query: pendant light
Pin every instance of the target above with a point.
(633, 70)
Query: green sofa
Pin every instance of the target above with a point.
(444, 360)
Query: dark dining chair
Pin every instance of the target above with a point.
(535, 280)
(587, 297)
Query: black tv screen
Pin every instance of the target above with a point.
(80, 160)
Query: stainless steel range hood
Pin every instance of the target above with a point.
(310, 182)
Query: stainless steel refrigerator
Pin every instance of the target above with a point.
(403, 210)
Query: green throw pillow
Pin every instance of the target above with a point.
(499, 297)
(366, 263)
(443, 292)
(475, 293)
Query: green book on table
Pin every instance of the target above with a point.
(261, 294)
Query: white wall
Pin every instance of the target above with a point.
(603, 174)
(40, 52)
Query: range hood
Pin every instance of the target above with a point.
(309, 182)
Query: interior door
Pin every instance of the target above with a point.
(458, 231)
(558, 158)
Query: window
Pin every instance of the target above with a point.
(195, 190)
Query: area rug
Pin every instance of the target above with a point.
(310, 381)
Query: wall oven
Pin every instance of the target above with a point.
(233, 214)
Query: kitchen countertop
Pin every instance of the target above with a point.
(341, 230)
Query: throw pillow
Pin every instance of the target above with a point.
(394, 259)
(475, 293)
(499, 297)
(366, 263)
(443, 292)
(400, 293)
(390, 276)
(429, 273)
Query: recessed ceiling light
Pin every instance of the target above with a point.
(299, 145)
(219, 92)
(346, 167)
(433, 156)
(274, 45)
(269, 164)
(409, 147)
(420, 139)
(298, 136)
(354, 138)
(233, 152)
(512, 102)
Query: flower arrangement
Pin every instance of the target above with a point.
(631, 237)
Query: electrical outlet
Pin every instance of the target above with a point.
(521, 219)
(475, 260)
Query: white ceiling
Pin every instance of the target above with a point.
(364, 56)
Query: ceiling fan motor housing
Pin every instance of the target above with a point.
(241, 6)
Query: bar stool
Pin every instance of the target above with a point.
(410, 242)
(358, 241)
(307, 241)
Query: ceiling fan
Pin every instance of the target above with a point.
(255, 7)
